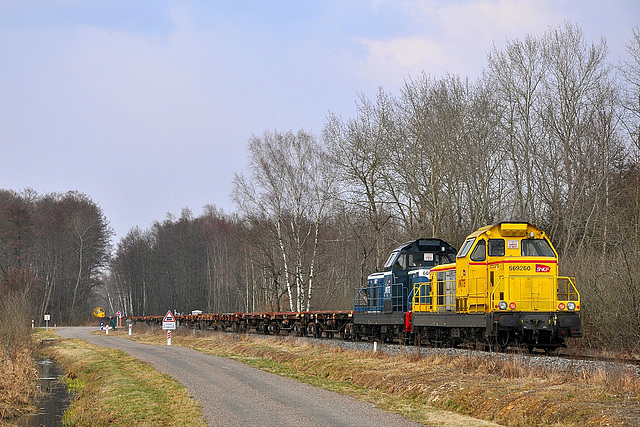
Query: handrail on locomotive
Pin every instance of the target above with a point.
(473, 302)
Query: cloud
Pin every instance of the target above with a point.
(452, 37)
(391, 60)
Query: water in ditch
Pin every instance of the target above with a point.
(53, 398)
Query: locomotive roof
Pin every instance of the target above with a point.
(507, 228)
(426, 242)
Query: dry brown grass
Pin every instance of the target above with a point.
(18, 379)
(18, 371)
(512, 393)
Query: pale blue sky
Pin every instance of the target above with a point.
(147, 106)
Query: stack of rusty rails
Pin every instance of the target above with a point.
(151, 320)
(316, 324)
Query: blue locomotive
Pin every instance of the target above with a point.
(381, 309)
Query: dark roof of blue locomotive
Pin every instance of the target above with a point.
(426, 244)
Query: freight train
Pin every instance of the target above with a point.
(501, 289)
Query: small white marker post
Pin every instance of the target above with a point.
(375, 346)
(169, 323)
(130, 326)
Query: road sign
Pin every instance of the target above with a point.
(169, 321)
(118, 313)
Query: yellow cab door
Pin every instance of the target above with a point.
(478, 275)
(495, 256)
(472, 274)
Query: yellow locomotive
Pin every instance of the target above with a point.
(504, 289)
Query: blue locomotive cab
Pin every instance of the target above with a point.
(389, 291)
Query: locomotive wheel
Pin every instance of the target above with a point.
(348, 332)
(502, 341)
(355, 333)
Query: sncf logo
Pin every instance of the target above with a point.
(542, 268)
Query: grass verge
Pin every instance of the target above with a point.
(18, 380)
(433, 389)
(115, 389)
(18, 371)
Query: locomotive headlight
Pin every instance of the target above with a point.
(571, 306)
(561, 306)
(502, 305)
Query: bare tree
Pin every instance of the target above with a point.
(290, 190)
(630, 72)
(517, 73)
(630, 88)
(359, 151)
(575, 73)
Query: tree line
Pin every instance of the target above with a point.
(549, 134)
(54, 249)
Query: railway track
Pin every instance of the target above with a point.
(626, 360)
(566, 360)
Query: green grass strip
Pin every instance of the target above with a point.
(116, 389)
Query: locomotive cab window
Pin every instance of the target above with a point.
(446, 258)
(401, 262)
(415, 259)
(480, 251)
(496, 247)
(464, 250)
(391, 259)
(537, 247)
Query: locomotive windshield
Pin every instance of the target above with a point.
(537, 247)
(398, 260)
(429, 259)
(464, 250)
(424, 257)
(391, 258)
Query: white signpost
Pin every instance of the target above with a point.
(169, 323)
(47, 317)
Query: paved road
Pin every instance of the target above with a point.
(234, 394)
